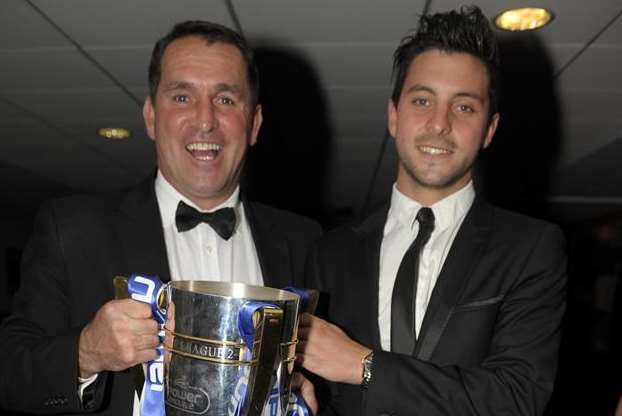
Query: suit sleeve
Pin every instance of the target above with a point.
(327, 394)
(515, 378)
(38, 345)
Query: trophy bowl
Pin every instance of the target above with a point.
(229, 349)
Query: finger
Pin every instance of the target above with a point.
(170, 310)
(170, 316)
(147, 342)
(303, 334)
(308, 395)
(307, 390)
(300, 358)
(144, 326)
(135, 309)
(170, 324)
(301, 346)
(297, 379)
(146, 355)
(305, 320)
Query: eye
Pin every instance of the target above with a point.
(225, 100)
(420, 101)
(464, 108)
(180, 98)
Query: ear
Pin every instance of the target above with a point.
(149, 117)
(257, 120)
(490, 131)
(392, 117)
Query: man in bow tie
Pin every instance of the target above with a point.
(440, 303)
(68, 346)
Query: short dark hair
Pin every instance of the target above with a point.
(211, 32)
(465, 31)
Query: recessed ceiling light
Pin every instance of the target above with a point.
(114, 132)
(527, 18)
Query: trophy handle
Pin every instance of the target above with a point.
(311, 306)
(265, 350)
(121, 291)
(120, 287)
(308, 299)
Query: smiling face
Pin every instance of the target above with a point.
(202, 119)
(440, 124)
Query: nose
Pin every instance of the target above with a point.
(439, 122)
(205, 118)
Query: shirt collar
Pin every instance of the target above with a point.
(168, 198)
(447, 212)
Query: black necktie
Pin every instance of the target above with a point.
(222, 220)
(403, 300)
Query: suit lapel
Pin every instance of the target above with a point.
(273, 251)
(455, 273)
(139, 228)
(365, 268)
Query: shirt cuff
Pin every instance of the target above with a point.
(83, 383)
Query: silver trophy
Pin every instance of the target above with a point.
(230, 349)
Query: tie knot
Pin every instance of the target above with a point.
(222, 220)
(425, 216)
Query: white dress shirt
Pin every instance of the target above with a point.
(200, 253)
(400, 231)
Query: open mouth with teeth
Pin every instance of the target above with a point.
(429, 150)
(204, 151)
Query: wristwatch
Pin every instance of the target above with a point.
(367, 362)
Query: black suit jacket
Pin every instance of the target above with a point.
(78, 245)
(489, 339)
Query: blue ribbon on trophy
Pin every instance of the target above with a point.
(303, 294)
(147, 289)
(246, 326)
(247, 329)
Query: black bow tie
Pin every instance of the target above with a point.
(222, 220)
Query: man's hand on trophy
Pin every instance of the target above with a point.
(169, 330)
(122, 334)
(324, 349)
(301, 384)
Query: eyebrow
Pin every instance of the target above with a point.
(178, 85)
(467, 94)
(224, 87)
(419, 87)
(185, 85)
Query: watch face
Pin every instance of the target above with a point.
(367, 361)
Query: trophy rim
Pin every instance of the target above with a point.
(233, 290)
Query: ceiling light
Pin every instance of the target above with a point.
(528, 18)
(114, 132)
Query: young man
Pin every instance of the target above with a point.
(67, 346)
(441, 304)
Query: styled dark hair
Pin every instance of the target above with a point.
(465, 31)
(211, 32)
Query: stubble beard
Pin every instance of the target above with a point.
(427, 178)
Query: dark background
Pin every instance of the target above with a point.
(322, 151)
